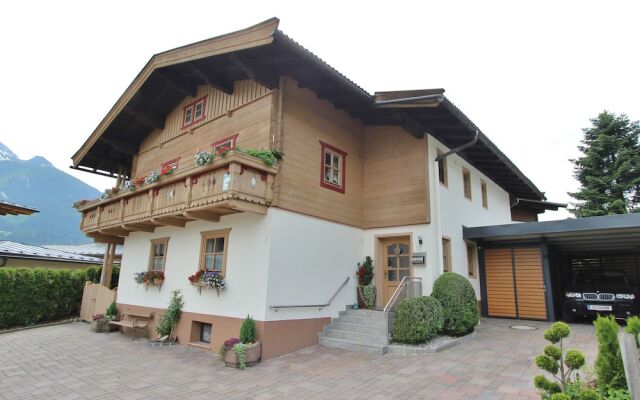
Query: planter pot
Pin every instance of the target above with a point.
(361, 303)
(254, 354)
(100, 326)
(158, 281)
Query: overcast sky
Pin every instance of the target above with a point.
(529, 74)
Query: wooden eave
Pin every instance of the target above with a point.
(7, 208)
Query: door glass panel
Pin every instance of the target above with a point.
(404, 248)
(404, 262)
(392, 262)
(391, 250)
(392, 275)
(403, 273)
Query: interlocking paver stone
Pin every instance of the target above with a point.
(70, 362)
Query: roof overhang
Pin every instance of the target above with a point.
(263, 53)
(7, 208)
(612, 233)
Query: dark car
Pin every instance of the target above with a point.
(603, 293)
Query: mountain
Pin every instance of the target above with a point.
(37, 183)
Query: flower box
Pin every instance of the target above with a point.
(100, 325)
(253, 356)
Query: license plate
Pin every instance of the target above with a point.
(597, 307)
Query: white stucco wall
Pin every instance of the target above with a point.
(309, 259)
(246, 272)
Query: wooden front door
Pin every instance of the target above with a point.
(397, 263)
(515, 283)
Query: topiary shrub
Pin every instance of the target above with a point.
(609, 367)
(458, 300)
(248, 331)
(417, 320)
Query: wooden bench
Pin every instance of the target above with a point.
(134, 321)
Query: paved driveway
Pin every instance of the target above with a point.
(69, 362)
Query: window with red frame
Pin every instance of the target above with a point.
(168, 167)
(225, 144)
(333, 172)
(194, 112)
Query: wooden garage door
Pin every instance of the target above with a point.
(519, 296)
(501, 299)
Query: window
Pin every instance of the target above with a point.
(442, 169)
(213, 251)
(158, 254)
(466, 181)
(170, 165)
(205, 333)
(194, 112)
(446, 255)
(333, 168)
(485, 199)
(471, 259)
(228, 142)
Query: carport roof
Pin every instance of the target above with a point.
(611, 233)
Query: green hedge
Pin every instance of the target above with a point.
(458, 300)
(417, 320)
(30, 296)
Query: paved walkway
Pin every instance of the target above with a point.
(70, 362)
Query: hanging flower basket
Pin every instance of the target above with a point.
(167, 170)
(128, 186)
(153, 177)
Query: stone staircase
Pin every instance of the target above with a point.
(357, 330)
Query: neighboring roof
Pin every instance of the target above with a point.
(87, 249)
(15, 209)
(592, 234)
(25, 251)
(263, 53)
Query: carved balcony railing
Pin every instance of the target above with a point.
(232, 184)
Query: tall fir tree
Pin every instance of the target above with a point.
(609, 169)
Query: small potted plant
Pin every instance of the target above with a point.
(139, 277)
(167, 170)
(245, 351)
(203, 158)
(366, 291)
(112, 315)
(99, 323)
(153, 177)
(155, 278)
(139, 180)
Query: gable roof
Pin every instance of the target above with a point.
(15, 209)
(87, 249)
(25, 251)
(263, 53)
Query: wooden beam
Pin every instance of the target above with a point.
(263, 75)
(150, 120)
(204, 215)
(246, 206)
(100, 238)
(409, 124)
(214, 79)
(177, 84)
(171, 221)
(137, 227)
(119, 145)
(113, 231)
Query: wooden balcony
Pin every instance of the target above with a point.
(233, 184)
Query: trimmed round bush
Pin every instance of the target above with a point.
(458, 300)
(417, 320)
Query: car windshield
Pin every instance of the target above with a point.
(609, 278)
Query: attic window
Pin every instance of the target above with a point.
(169, 165)
(194, 112)
(333, 168)
(228, 142)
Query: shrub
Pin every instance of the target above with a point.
(609, 368)
(365, 271)
(112, 311)
(417, 320)
(248, 331)
(228, 345)
(458, 300)
(171, 316)
(31, 296)
(633, 327)
(560, 365)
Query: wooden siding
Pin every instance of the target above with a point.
(501, 300)
(246, 111)
(395, 178)
(530, 283)
(306, 121)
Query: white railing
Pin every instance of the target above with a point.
(318, 306)
(408, 288)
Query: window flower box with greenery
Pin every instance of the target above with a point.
(366, 291)
(149, 278)
(208, 279)
(245, 351)
(153, 177)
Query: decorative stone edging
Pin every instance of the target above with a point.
(24, 328)
(436, 345)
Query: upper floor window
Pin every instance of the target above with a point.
(169, 167)
(485, 197)
(446, 254)
(332, 174)
(213, 251)
(471, 259)
(194, 112)
(158, 254)
(466, 181)
(225, 144)
(442, 169)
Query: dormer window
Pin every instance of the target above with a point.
(194, 112)
(333, 172)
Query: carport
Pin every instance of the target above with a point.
(524, 267)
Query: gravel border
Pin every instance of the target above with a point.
(24, 328)
(436, 345)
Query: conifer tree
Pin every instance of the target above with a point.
(609, 169)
